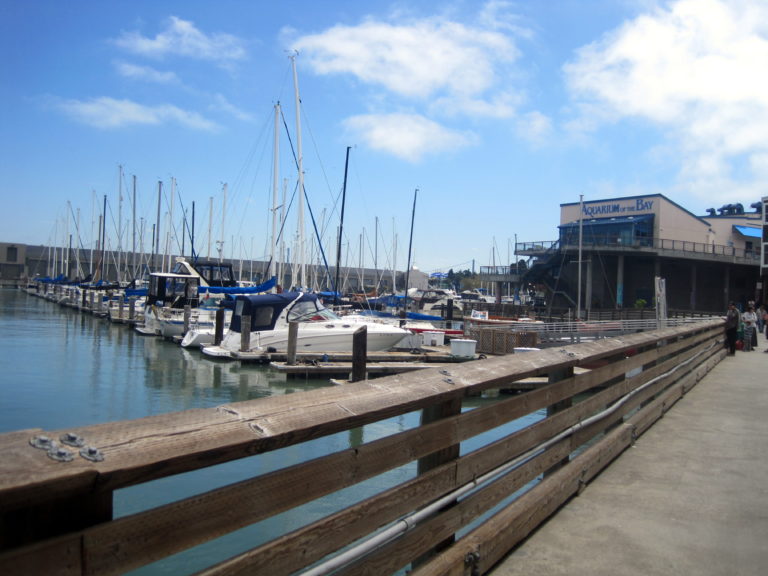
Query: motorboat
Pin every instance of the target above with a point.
(171, 292)
(319, 328)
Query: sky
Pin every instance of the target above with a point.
(468, 123)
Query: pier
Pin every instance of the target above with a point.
(475, 479)
(688, 498)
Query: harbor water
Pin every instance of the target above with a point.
(65, 369)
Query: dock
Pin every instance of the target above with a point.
(689, 497)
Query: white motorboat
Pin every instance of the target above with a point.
(170, 292)
(319, 329)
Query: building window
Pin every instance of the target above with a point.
(11, 254)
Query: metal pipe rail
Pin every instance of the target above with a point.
(532, 466)
(572, 332)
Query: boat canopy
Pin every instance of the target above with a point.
(264, 309)
(266, 286)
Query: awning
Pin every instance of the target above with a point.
(749, 231)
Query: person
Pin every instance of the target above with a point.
(765, 325)
(750, 324)
(732, 320)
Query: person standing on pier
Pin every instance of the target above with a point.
(732, 320)
(750, 324)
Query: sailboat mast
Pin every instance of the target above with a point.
(275, 186)
(133, 219)
(210, 225)
(157, 225)
(341, 224)
(410, 245)
(223, 216)
(119, 221)
(300, 165)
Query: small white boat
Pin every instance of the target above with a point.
(319, 329)
(202, 328)
(170, 292)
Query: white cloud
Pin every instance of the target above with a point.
(224, 105)
(110, 113)
(419, 60)
(696, 68)
(438, 67)
(406, 136)
(498, 15)
(535, 127)
(182, 38)
(145, 73)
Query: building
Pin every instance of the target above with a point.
(22, 262)
(609, 253)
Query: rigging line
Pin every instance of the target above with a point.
(79, 239)
(306, 198)
(260, 144)
(314, 145)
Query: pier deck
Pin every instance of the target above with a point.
(691, 496)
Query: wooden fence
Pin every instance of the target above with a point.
(459, 514)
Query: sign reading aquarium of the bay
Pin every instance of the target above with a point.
(616, 208)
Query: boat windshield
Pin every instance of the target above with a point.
(310, 311)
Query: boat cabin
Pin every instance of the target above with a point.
(266, 309)
(173, 290)
(212, 273)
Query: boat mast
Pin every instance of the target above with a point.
(157, 225)
(341, 226)
(300, 165)
(210, 224)
(275, 186)
(410, 245)
(220, 243)
(281, 267)
(119, 220)
(134, 272)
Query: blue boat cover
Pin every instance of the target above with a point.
(266, 286)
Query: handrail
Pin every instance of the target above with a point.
(663, 244)
(637, 372)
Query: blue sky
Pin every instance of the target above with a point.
(496, 111)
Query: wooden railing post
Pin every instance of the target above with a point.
(245, 333)
(432, 414)
(293, 333)
(35, 523)
(552, 377)
(218, 330)
(359, 353)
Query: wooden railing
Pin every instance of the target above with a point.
(460, 513)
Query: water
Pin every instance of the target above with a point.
(64, 369)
